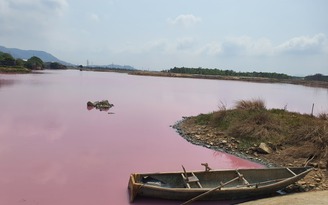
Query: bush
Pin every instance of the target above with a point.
(34, 63)
(6, 60)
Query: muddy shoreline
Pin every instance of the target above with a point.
(203, 136)
(180, 129)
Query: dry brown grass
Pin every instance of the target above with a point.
(305, 135)
(323, 116)
(256, 104)
(315, 135)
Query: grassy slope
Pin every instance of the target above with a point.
(252, 124)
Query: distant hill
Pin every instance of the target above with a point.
(113, 66)
(47, 57)
(26, 54)
(317, 77)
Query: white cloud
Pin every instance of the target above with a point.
(211, 49)
(160, 46)
(185, 44)
(185, 20)
(31, 6)
(245, 45)
(304, 45)
(23, 21)
(30, 12)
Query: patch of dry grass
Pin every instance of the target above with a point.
(323, 116)
(314, 134)
(257, 104)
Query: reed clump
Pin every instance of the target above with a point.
(257, 104)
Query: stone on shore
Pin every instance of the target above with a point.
(263, 148)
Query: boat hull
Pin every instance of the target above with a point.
(270, 181)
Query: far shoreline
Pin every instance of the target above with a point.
(308, 83)
(300, 81)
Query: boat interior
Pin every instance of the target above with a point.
(212, 178)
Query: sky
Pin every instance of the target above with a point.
(283, 36)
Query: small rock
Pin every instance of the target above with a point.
(301, 182)
(264, 148)
(90, 104)
(312, 185)
(317, 179)
(322, 165)
(101, 105)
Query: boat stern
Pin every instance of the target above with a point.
(133, 187)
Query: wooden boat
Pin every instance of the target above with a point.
(214, 184)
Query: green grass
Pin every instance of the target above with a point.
(14, 70)
(203, 119)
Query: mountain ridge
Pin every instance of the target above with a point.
(47, 57)
(26, 54)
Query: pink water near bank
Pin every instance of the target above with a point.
(53, 150)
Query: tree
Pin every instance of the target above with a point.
(7, 60)
(20, 62)
(34, 63)
(56, 65)
(317, 77)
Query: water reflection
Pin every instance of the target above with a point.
(51, 173)
(6, 82)
(55, 151)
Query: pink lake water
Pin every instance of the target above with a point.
(53, 150)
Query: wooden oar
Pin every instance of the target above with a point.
(210, 191)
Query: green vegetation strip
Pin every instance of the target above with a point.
(14, 70)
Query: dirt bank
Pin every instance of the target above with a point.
(314, 198)
(212, 138)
